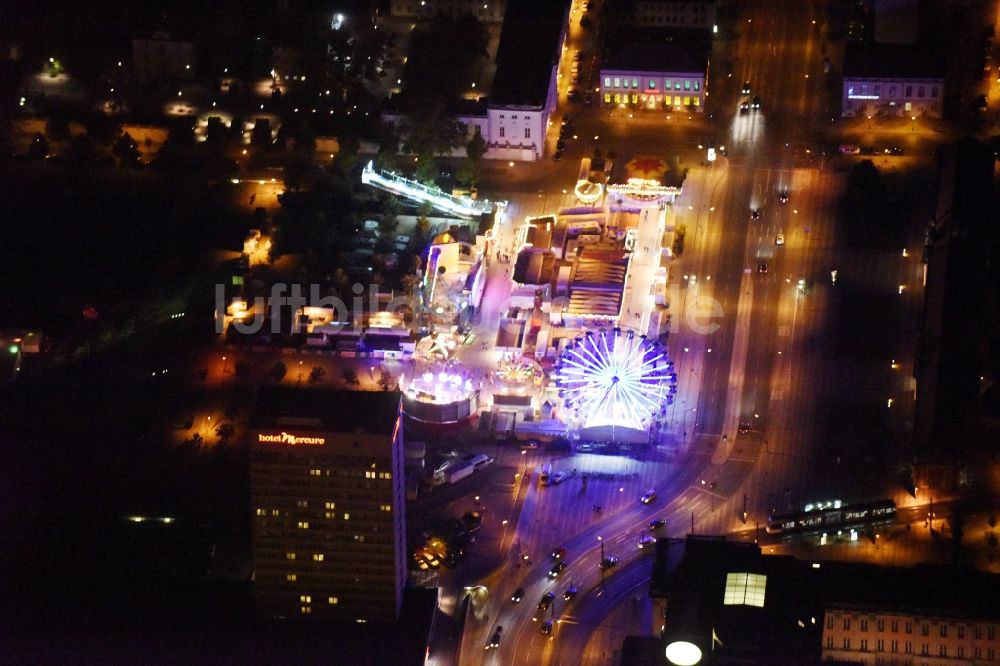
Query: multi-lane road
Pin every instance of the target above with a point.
(752, 342)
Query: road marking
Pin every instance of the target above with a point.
(783, 331)
(777, 394)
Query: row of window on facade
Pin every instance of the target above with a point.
(925, 649)
(503, 132)
(861, 89)
(652, 99)
(925, 628)
(351, 472)
(668, 84)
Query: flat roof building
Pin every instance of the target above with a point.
(655, 69)
(892, 79)
(671, 13)
(328, 504)
(728, 599)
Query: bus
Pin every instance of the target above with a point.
(832, 517)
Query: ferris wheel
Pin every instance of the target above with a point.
(615, 377)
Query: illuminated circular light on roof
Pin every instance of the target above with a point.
(614, 377)
(588, 192)
(683, 653)
(441, 385)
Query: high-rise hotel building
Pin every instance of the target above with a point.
(328, 504)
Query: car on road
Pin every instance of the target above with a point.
(646, 540)
(570, 593)
(544, 605)
(557, 156)
(546, 628)
(894, 150)
(755, 105)
(849, 149)
(658, 523)
(557, 569)
(754, 213)
(588, 99)
(743, 428)
(648, 497)
(783, 196)
(608, 562)
(577, 55)
(762, 267)
(566, 119)
(744, 104)
(746, 88)
(559, 553)
(518, 595)
(561, 144)
(779, 239)
(573, 95)
(495, 639)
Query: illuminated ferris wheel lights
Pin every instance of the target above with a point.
(614, 378)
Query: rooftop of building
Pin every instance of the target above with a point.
(529, 49)
(902, 61)
(657, 50)
(372, 412)
(753, 603)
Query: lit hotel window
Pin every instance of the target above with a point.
(317, 557)
(331, 505)
(386, 507)
(261, 512)
(315, 472)
(305, 610)
(369, 475)
(291, 578)
(303, 525)
(330, 515)
(347, 516)
(305, 598)
(275, 512)
(302, 504)
(289, 556)
(333, 601)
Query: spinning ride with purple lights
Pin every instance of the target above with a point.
(614, 377)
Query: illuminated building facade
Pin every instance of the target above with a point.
(879, 636)
(328, 504)
(892, 79)
(656, 70)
